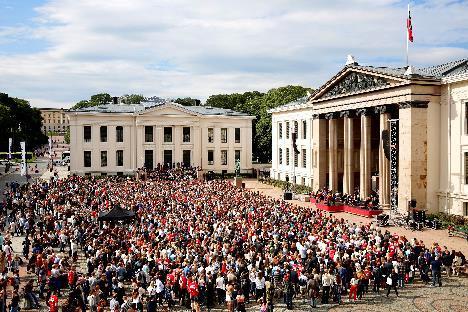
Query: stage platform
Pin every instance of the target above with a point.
(349, 209)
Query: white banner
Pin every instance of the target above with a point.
(23, 158)
(50, 147)
(10, 143)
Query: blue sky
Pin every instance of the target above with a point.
(57, 52)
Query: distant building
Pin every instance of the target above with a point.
(54, 120)
(119, 138)
(399, 132)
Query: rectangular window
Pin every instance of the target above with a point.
(210, 157)
(103, 132)
(87, 158)
(280, 156)
(149, 159)
(237, 156)
(167, 134)
(119, 157)
(287, 130)
(148, 133)
(304, 129)
(119, 134)
(103, 158)
(304, 158)
(296, 129)
(186, 134)
(87, 133)
(296, 159)
(466, 118)
(210, 135)
(224, 157)
(223, 135)
(168, 158)
(466, 167)
(186, 157)
(280, 130)
(237, 135)
(287, 156)
(465, 209)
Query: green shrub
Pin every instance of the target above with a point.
(296, 188)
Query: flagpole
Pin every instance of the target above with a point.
(407, 38)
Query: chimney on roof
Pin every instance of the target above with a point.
(115, 100)
(350, 60)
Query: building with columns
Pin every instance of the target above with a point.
(400, 132)
(118, 138)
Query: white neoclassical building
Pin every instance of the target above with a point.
(119, 138)
(399, 132)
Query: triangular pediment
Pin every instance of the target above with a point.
(168, 109)
(352, 81)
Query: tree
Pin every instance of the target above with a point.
(132, 98)
(66, 136)
(21, 122)
(257, 104)
(101, 98)
(188, 101)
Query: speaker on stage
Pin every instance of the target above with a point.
(287, 196)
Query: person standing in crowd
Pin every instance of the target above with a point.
(392, 282)
(327, 283)
(436, 266)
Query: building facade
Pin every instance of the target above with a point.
(399, 132)
(54, 120)
(119, 138)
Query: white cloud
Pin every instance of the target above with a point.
(177, 48)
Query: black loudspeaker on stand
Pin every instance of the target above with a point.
(287, 196)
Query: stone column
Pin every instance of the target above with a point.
(332, 153)
(412, 154)
(384, 164)
(364, 154)
(319, 150)
(348, 174)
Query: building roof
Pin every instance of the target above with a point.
(140, 108)
(448, 69)
(438, 72)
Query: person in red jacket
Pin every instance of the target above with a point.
(53, 302)
(194, 293)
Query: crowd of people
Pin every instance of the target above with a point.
(194, 243)
(331, 198)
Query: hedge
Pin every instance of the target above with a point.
(296, 188)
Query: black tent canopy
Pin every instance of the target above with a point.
(116, 214)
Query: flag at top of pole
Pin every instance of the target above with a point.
(409, 26)
(409, 33)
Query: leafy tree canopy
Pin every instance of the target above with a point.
(21, 122)
(132, 98)
(257, 104)
(188, 101)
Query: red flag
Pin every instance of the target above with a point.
(409, 26)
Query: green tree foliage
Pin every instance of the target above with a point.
(21, 122)
(66, 136)
(257, 104)
(101, 98)
(132, 98)
(188, 101)
(95, 100)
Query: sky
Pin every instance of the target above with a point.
(55, 53)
